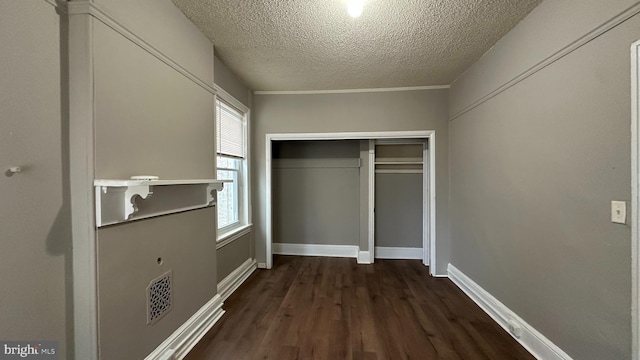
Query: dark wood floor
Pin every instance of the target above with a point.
(332, 308)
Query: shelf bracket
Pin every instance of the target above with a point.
(131, 195)
(211, 192)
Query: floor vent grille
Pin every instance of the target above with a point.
(159, 297)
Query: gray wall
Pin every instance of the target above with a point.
(168, 132)
(228, 81)
(530, 42)
(35, 241)
(318, 149)
(163, 26)
(129, 262)
(533, 171)
(320, 195)
(381, 111)
(399, 214)
(316, 192)
(152, 119)
(233, 255)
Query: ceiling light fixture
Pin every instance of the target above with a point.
(354, 7)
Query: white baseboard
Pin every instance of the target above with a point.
(262, 265)
(229, 284)
(397, 253)
(364, 257)
(531, 339)
(178, 344)
(350, 251)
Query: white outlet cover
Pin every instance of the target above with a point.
(619, 212)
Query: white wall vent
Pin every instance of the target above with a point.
(159, 297)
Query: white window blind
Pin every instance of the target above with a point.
(230, 126)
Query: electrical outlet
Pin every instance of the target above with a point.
(619, 212)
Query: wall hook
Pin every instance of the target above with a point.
(13, 170)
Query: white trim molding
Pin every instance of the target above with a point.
(364, 257)
(431, 228)
(398, 253)
(426, 197)
(530, 338)
(635, 199)
(568, 49)
(365, 135)
(348, 251)
(371, 201)
(350, 91)
(232, 282)
(178, 344)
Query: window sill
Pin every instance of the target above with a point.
(232, 235)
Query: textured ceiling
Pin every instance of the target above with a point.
(316, 45)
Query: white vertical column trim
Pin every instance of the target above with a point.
(269, 239)
(215, 160)
(432, 204)
(425, 204)
(372, 199)
(635, 215)
(248, 161)
(82, 172)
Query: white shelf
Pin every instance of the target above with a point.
(398, 162)
(400, 171)
(120, 201)
(129, 182)
(383, 159)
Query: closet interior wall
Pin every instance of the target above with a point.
(320, 196)
(316, 196)
(398, 195)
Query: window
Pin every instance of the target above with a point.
(231, 129)
(228, 206)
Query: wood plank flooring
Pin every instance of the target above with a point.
(332, 308)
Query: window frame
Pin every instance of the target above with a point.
(238, 199)
(243, 186)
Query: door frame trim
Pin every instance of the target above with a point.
(371, 202)
(429, 242)
(635, 186)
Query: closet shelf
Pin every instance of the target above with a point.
(398, 162)
(120, 201)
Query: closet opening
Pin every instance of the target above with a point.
(399, 208)
(363, 195)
